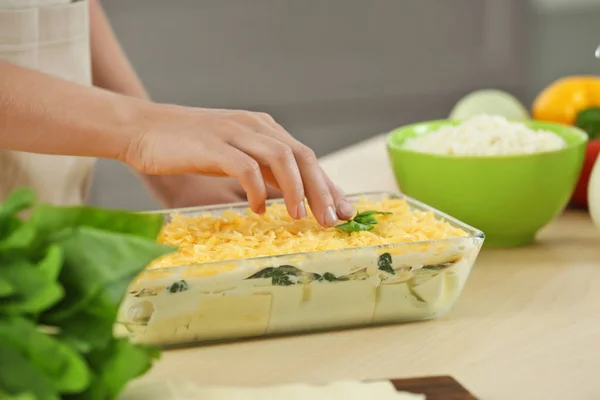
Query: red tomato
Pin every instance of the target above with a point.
(580, 195)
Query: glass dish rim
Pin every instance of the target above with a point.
(473, 233)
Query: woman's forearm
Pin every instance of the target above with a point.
(43, 114)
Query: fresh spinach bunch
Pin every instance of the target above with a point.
(63, 274)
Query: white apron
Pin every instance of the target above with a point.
(51, 36)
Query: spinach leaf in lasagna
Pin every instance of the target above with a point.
(284, 275)
(385, 263)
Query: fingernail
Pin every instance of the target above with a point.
(301, 212)
(330, 217)
(345, 208)
(262, 209)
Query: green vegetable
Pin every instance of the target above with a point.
(180, 286)
(385, 263)
(284, 275)
(63, 275)
(23, 376)
(438, 267)
(327, 276)
(364, 221)
(287, 275)
(33, 287)
(589, 121)
(21, 396)
(65, 368)
(114, 366)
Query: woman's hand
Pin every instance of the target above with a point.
(248, 146)
(64, 118)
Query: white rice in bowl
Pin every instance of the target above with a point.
(486, 135)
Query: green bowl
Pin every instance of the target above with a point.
(509, 198)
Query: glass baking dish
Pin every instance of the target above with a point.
(253, 297)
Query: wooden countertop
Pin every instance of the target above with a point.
(526, 327)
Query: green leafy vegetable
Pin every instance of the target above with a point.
(439, 267)
(33, 289)
(6, 288)
(113, 367)
(284, 275)
(23, 376)
(283, 280)
(364, 221)
(21, 396)
(385, 263)
(21, 237)
(63, 365)
(48, 219)
(328, 276)
(63, 274)
(19, 200)
(180, 286)
(13, 232)
(109, 258)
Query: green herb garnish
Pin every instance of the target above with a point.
(364, 221)
(385, 263)
(67, 269)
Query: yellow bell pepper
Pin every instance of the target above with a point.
(573, 100)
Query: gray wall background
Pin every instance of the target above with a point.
(335, 72)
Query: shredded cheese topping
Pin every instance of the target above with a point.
(234, 236)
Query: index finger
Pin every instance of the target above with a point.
(318, 193)
(316, 183)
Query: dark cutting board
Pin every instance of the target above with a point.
(434, 387)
